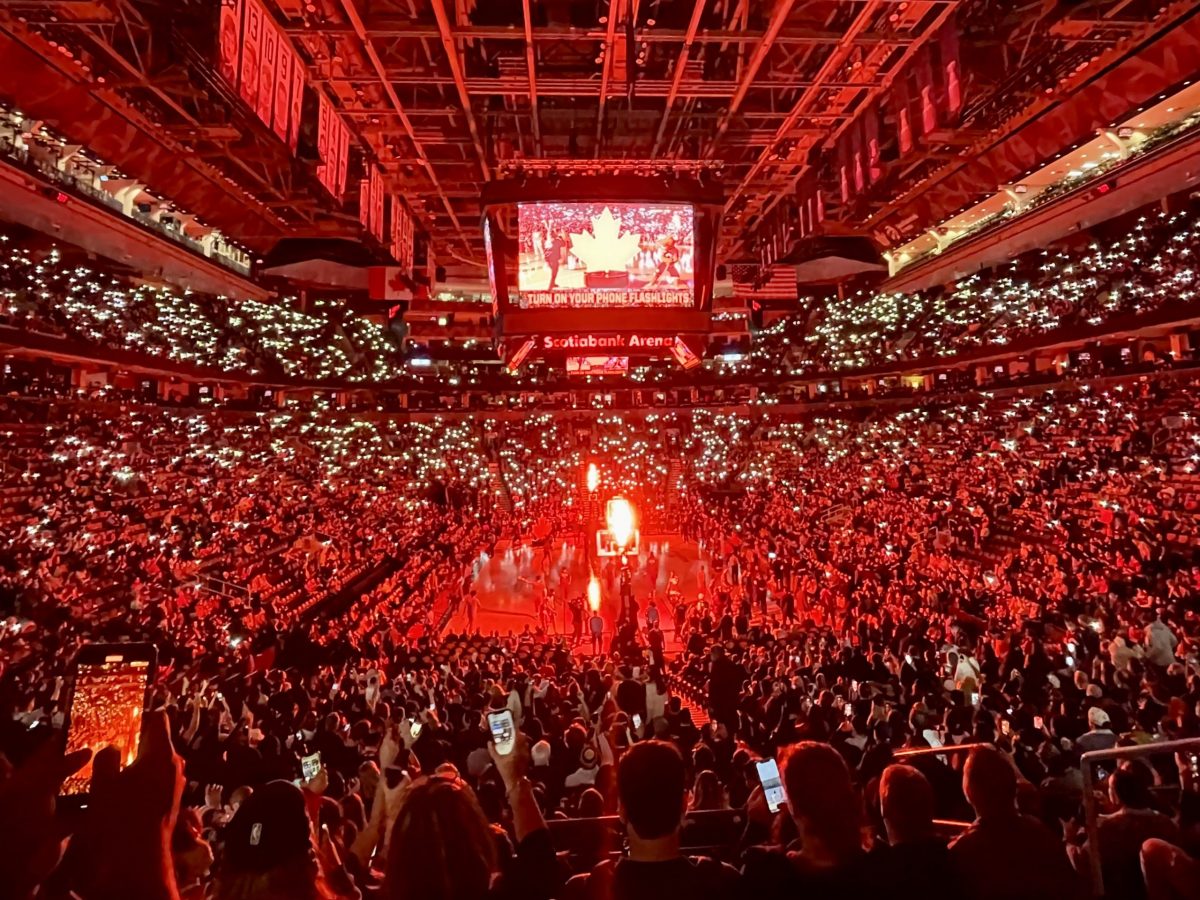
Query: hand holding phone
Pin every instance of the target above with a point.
(110, 689)
(310, 766)
(504, 730)
(772, 784)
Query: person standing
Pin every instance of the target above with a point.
(725, 679)
(471, 605)
(576, 607)
(596, 627)
(652, 614)
(554, 254)
(652, 570)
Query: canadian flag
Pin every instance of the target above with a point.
(387, 283)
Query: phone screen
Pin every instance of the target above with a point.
(415, 730)
(310, 766)
(637, 720)
(106, 710)
(772, 785)
(504, 731)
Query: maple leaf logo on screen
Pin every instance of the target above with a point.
(605, 249)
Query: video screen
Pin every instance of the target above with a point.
(605, 255)
(597, 365)
(106, 709)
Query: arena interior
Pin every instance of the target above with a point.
(599, 449)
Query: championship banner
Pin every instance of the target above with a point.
(402, 236)
(364, 203)
(342, 159)
(376, 226)
(293, 137)
(324, 142)
(285, 58)
(229, 30)
(251, 53)
(266, 78)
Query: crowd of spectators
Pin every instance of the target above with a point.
(1015, 575)
(41, 291)
(1119, 270)
(1134, 270)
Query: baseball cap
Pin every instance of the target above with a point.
(269, 829)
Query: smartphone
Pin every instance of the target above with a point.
(415, 729)
(772, 784)
(504, 730)
(109, 692)
(392, 776)
(310, 765)
(848, 710)
(1038, 723)
(637, 720)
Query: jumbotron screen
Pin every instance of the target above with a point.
(604, 255)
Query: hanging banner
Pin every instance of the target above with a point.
(284, 60)
(402, 236)
(364, 203)
(342, 158)
(899, 100)
(266, 78)
(871, 135)
(297, 97)
(325, 141)
(948, 70)
(376, 226)
(229, 30)
(251, 53)
(333, 145)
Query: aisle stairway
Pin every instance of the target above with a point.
(699, 716)
(499, 488)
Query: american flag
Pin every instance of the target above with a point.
(751, 282)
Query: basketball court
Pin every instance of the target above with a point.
(506, 601)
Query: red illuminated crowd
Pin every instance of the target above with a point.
(1018, 574)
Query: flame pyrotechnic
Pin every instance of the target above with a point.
(620, 521)
(593, 477)
(593, 593)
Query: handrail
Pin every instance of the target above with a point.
(1091, 811)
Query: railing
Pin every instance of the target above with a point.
(214, 585)
(836, 514)
(945, 827)
(1160, 437)
(22, 157)
(711, 831)
(1088, 762)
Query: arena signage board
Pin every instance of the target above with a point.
(632, 341)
